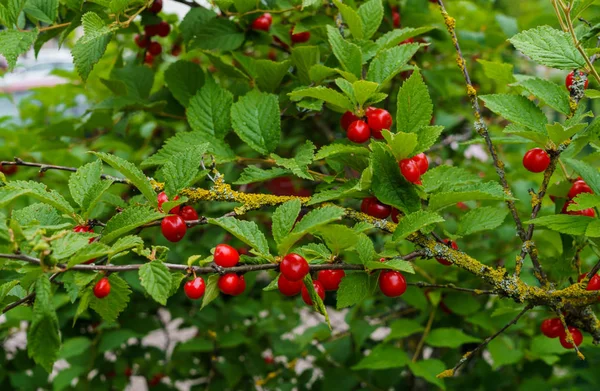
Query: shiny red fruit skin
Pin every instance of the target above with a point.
(454, 246)
(577, 338)
(571, 76)
(151, 30)
(375, 208)
(395, 213)
(379, 119)
(82, 228)
(422, 162)
(536, 160)
(162, 198)
(318, 288)
(8, 170)
(331, 279)
(148, 59)
(226, 256)
(410, 170)
(262, 23)
(359, 132)
(593, 283)
(156, 7)
(294, 267)
(586, 212)
(155, 48)
(579, 187)
(364, 205)
(188, 213)
(163, 29)
(392, 283)
(176, 50)
(376, 134)
(173, 228)
(194, 289)
(102, 288)
(287, 287)
(228, 284)
(141, 41)
(552, 328)
(300, 37)
(241, 287)
(347, 118)
(396, 19)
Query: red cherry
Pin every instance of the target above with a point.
(347, 118)
(272, 55)
(194, 289)
(128, 372)
(156, 7)
(226, 256)
(8, 169)
(331, 279)
(269, 360)
(422, 162)
(359, 132)
(163, 29)
(395, 213)
(364, 205)
(155, 380)
(552, 328)
(593, 283)
(577, 338)
(241, 287)
(461, 205)
(82, 228)
(173, 228)
(579, 187)
(318, 288)
(228, 284)
(294, 267)
(263, 22)
(536, 160)
(392, 283)
(151, 30)
(188, 213)
(375, 208)
(141, 41)
(454, 246)
(148, 59)
(287, 287)
(379, 119)
(155, 48)
(102, 288)
(176, 50)
(299, 37)
(396, 19)
(408, 40)
(410, 169)
(571, 76)
(162, 198)
(586, 212)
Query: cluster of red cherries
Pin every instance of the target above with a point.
(161, 29)
(263, 23)
(173, 227)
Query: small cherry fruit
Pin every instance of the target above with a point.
(226, 256)
(392, 283)
(536, 160)
(318, 288)
(294, 267)
(422, 162)
(577, 338)
(155, 48)
(374, 208)
(331, 279)
(173, 228)
(454, 246)
(287, 287)
(379, 119)
(579, 186)
(188, 213)
(359, 132)
(141, 41)
(163, 29)
(194, 289)
(347, 118)
(552, 328)
(263, 22)
(229, 284)
(102, 288)
(410, 170)
(299, 37)
(156, 6)
(570, 78)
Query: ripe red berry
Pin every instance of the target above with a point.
(228, 284)
(422, 162)
(374, 208)
(156, 7)
(318, 288)
(331, 279)
(571, 76)
(194, 289)
(579, 186)
(347, 118)
(552, 328)
(155, 48)
(287, 287)
(163, 29)
(359, 132)
(188, 213)
(173, 228)
(82, 228)
(176, 50)
(577, 338)
(148, 59)
(586, 212)
(536, 160)
(408, 40)
(392, 283)
(299, 37)
(241, 287)
(454, 246)
(141, 41)
(226, 256)
(379, 119)
(8, 169)
(395, 213)
(269, 360)
(263, 22)
(162, 198)
(102, 288)
(593, 284)
(294, 267)
(410, 170)
(150, 30)
(396, 19)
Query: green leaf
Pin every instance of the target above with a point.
(118, 6)
(333, 150)
(36, 190)
(447, 178)
(90, 251)
(323, 93)
(94, 195)
(484, 191)
(504, 352)
(428, 370)
(13, 43)
(156, 280)
(6, 288)
(184, 79)
(401, 144)
(481, 219)
(584, 201)
(303, 58)
(316, 299)
(550, 47)
(84, 179)
(209, 110)
(445, 337)
(252, 174)
(246, 231)
(548, 92)
(298, 165)
(346, 190)
(403, 328)
(43, 10)
(590, 174)
(388, 63)
(499, 72)
(73, 347)
(126, 243)
(371, 15)
(312, 220)
(427, 136)
(43, 338)
(389, 186)
(284, 218)
(256, 120)
(193, 22)
(185, 140)
(394, 37)
(348, 54)
(212, 290)
(67, 245)
(415, 108)
(364, 248)
(518, 109)
(566, 224)
(364, 90)
(383, 357)
(112, 305)
(217, 34)
(559, 133)
(132, 173)
(337, 237)
(414, 222)
(128, 220)
(183, 168)
(392, 264)
(351, 18)
(269, 74)
(113, 339)
(90, 48)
